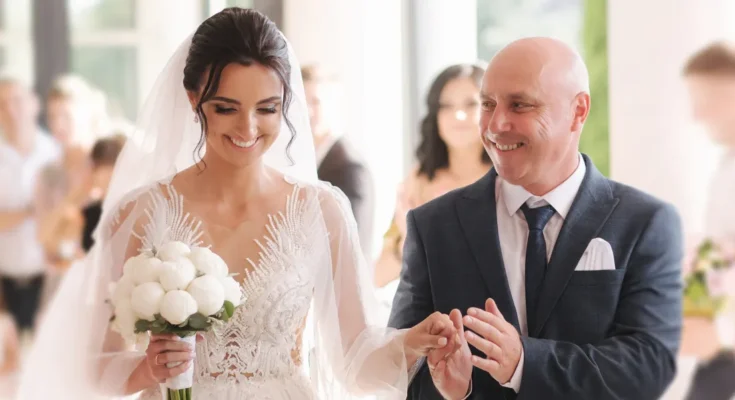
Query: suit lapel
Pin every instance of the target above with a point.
(330, 157)
(591, 208)
(476, 210)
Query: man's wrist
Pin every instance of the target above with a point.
(469, 391)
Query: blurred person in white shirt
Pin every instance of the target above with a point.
(710, 78)
(24, 152)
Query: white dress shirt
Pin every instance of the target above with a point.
(22, 254)
(513, 233)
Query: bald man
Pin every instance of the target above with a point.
(568, 283)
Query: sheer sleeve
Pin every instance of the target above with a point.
(75, 350)
(354, 353)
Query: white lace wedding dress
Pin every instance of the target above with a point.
(259, 354)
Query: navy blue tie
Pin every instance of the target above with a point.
(536, 262)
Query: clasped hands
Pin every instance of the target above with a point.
(444, 342)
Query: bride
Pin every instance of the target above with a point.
(224, 159)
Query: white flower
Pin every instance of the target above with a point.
(125, 319)
(132, 262)
(145, 270)
(207, 262)
(123, 289)
(171, 251)
(177, 275)
(146, 300)
(177, 306)
(208, 293)
(233, 292)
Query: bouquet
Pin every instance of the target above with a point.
(709, 279)
(174, 289)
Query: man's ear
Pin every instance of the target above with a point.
(581, 109)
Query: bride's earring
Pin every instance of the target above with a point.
(196, 119)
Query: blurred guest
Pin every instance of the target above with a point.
(75, 113)
(25, 151)
(338, 162)
(710, 77)
(59, 218)
(450, 156)
(104, 156)
(67, 228)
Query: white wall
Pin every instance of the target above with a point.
(654, 145)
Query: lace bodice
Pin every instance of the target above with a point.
(262, 343)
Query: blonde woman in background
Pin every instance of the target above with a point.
(450, 156)
(76, 119)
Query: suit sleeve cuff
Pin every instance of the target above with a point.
(515, 381)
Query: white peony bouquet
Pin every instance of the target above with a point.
(174, 289)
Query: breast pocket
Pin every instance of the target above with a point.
(597, 278)
(587, 306)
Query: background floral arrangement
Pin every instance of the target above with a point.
(709, 279)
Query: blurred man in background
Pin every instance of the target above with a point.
(339, 164)
(710, 78)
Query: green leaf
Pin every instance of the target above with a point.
(223, 316)
(229, 309)
(142, 325)
(199, 322)
(159, 329)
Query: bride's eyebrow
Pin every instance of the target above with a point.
(272, 99)
(225, 100)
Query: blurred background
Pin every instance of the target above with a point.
(381, 79)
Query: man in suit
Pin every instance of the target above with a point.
(570, 282)
(339, 163)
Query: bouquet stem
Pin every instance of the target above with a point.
(179, 394)
(179, 387)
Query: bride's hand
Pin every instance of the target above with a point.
(165, 349)
(435, 332)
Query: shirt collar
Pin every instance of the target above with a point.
(561, 197)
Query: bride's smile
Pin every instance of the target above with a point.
(241, 112)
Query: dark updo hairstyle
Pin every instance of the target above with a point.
(432, 153)
(235, 35)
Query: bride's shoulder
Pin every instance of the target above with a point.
(325, 192)
(329, 199)
(136, 204)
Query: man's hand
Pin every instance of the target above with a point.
(495, 337)
(450, 366)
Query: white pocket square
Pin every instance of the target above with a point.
(597, 257)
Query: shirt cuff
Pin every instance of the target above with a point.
(515, 381)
